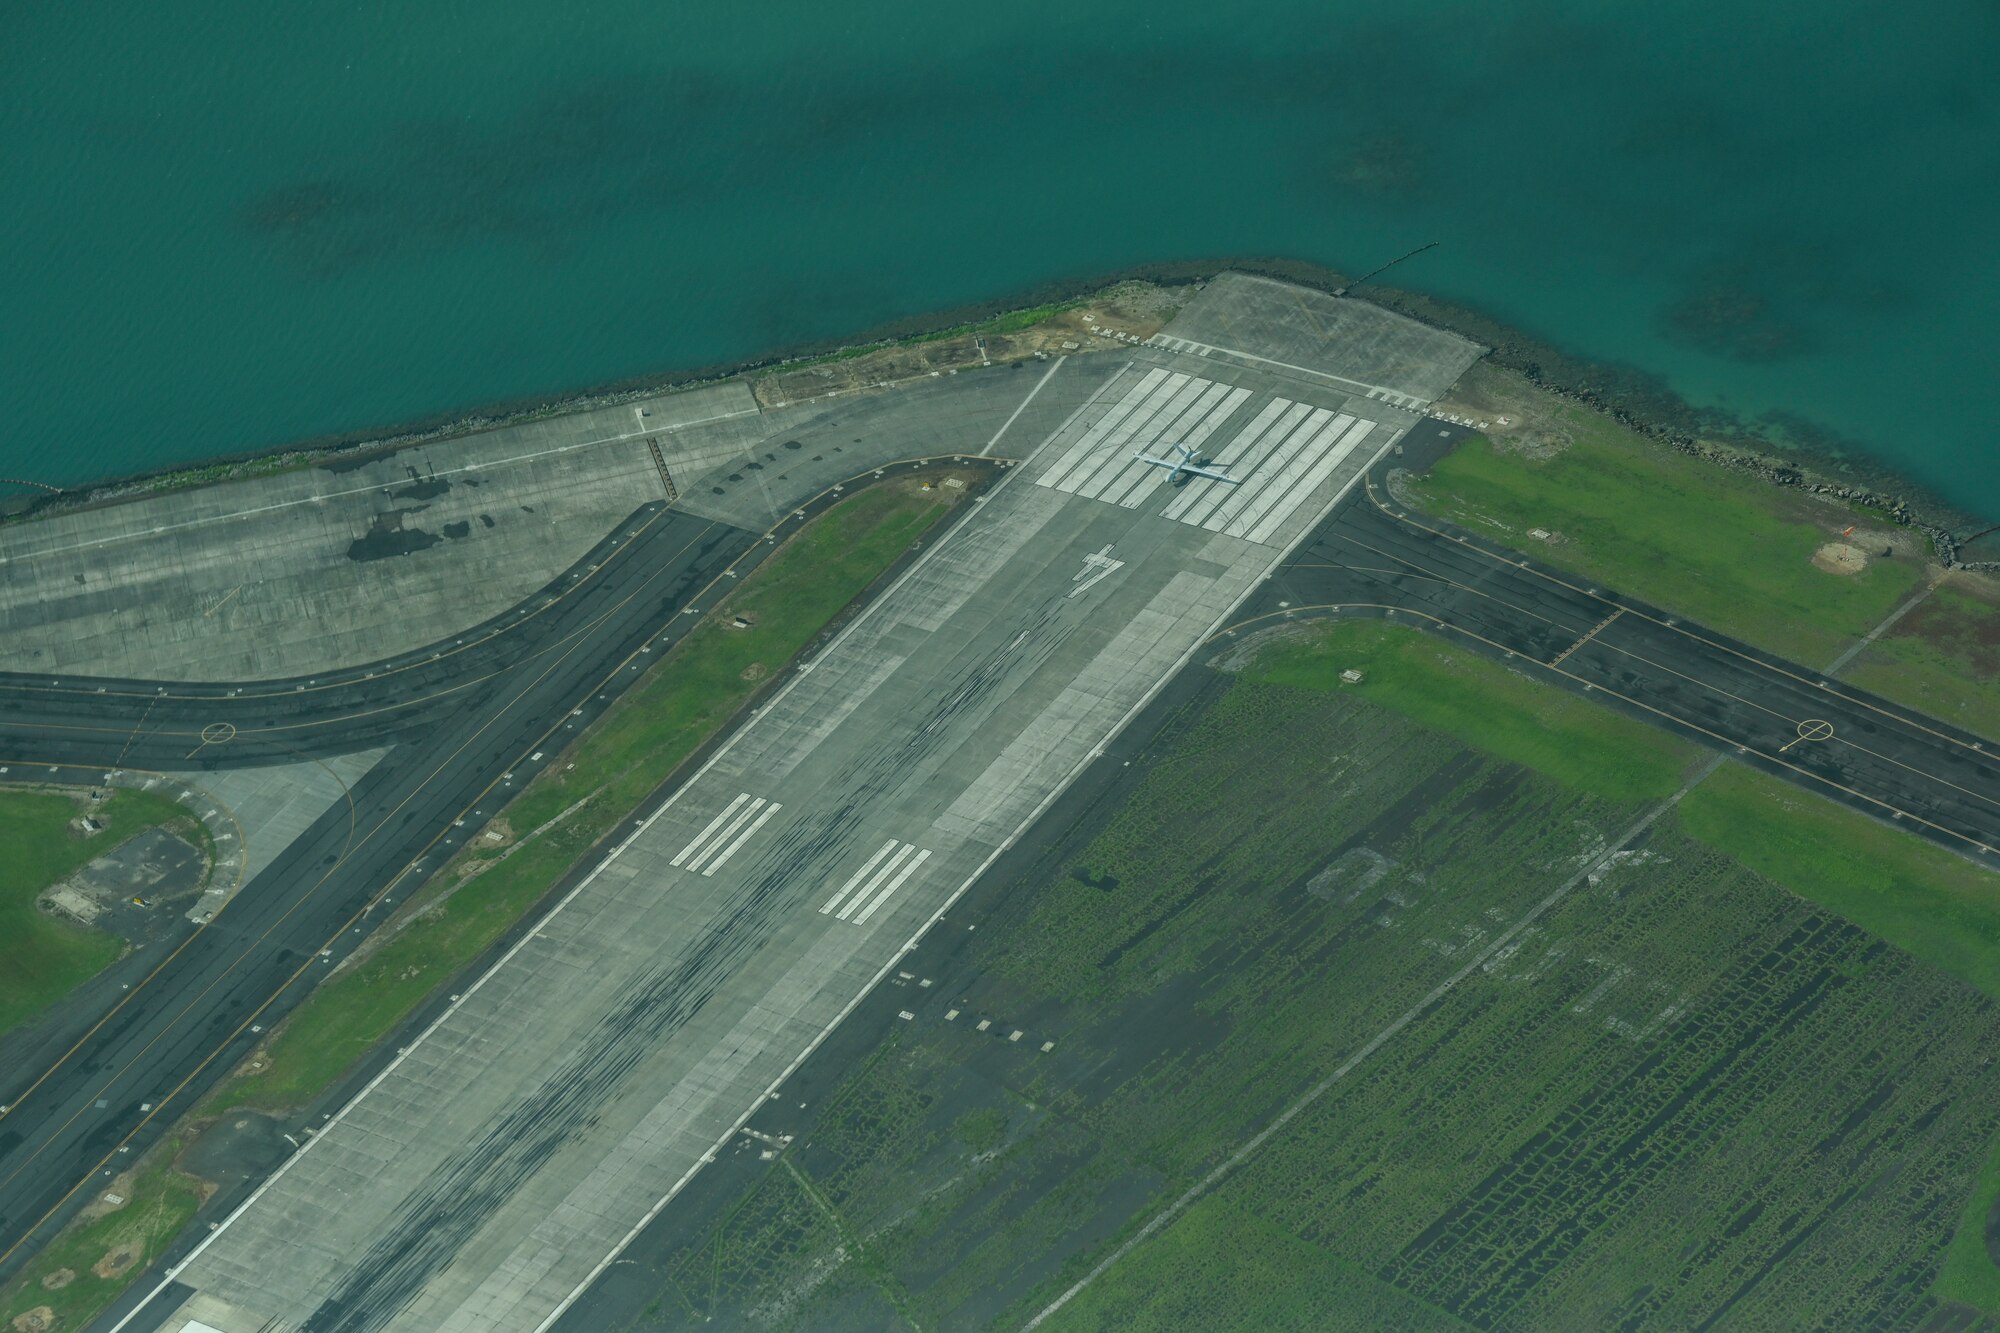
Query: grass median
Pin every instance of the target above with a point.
(97, 1256)
(677, 705)
(1730, 551)
(1501, 712)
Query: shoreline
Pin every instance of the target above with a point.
(1813, 459)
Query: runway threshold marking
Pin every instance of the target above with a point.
(1911, 720)
(1983, 797)
(1775, 757)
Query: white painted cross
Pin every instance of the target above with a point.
(1095, 566)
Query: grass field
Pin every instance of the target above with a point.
(1488, 706)
(1722, 548)
(1919, 897)
(1682, 1094)
(43, 959)
(673, 708)
(1944, 657)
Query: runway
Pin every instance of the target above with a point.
(1377, 558)
(501, 1158)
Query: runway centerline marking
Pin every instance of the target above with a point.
(1023, 405)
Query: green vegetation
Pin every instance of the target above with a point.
(43, 959)
(1944, 657)
(1680, 1095)
(159, 1202)
(1012, 321)
(679, 703)
(1220, 1266)
(1969, 1276)
(982, 1129)
(1919, 897)
(1484, 704)
(1723, 549)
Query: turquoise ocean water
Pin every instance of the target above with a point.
(234, 225)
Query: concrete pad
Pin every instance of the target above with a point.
(264, 809)
(1342, 341)
(345, 563)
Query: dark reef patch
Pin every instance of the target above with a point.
(1730, 320)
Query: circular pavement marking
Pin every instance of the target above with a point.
(215, 733)
(1810, 729)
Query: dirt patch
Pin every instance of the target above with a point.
(1520, 418)
(38, 1320)
(1966, 625)
(119, 1259)
(1128, 313)
(59, 1279)
(755, 671)
(120, 1189)
(1840, 558)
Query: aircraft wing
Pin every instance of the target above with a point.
(1191, 469)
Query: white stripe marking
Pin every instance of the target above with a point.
(742, 838)
(1264, 461)
(1152, 382)
(902, 854)
(848, 887)
(1287, 473)
(1242, 455)
(713, 824)
(1114, 458)
(891, 887)
(728, 832)
(1348, 444)
(1216, 407)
